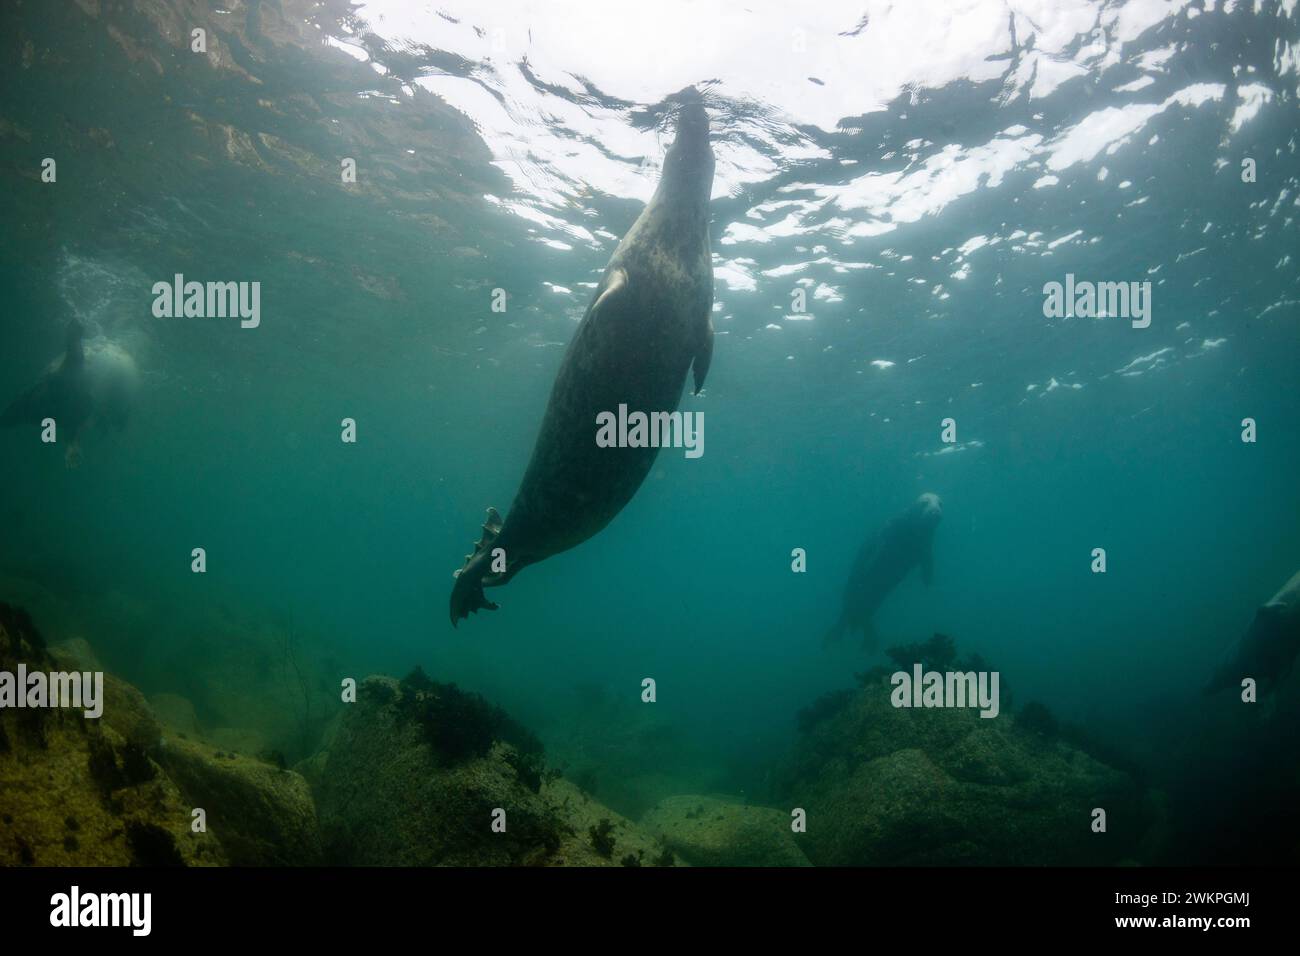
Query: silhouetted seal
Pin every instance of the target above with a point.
(885, 559)
(87, 385)
(648, 322)
(1268, 649)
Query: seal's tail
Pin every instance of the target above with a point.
(467, 593)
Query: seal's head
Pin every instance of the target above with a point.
(929, 509)
(688, 167)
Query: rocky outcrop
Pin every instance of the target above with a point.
(423, 774)
(122, 790)
(714, 831)
(894, 786)
(177, 713)
(262, 814)
(80, 792)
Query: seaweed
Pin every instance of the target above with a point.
(527, 771)
(102, 764)
(460, 725)
(665, 858)
(151, 845)
(136, 766)
(936, 654)
(633, 859)
(602, 838)
(109, 774)
(17, 623)
(378, 691)
(1036, 718)
(823, 708)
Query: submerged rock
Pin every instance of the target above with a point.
(399, 789)
(113, 792)
(176, 712)
(77, 792)
(262, 814)
(711, 831)
(898, 786)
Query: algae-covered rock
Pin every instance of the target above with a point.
(125, 709)
(711, 831)
(250, 743)
(902, 786)
(262, 814)
(594, 835)
(76, 792)
(418, 773)
(176, 712)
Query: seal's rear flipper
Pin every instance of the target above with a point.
(703, 357)
(29, 407)
(467, 593)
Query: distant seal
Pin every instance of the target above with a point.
(906, 542)
(647, 324)
(88, 385)
(1269, 647)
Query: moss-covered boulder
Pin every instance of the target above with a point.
(943, 786)
(177, 713)
(115, 791)
(262, 814)
(714, 831)
(77, 792)
(418, 772)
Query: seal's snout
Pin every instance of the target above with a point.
(688, 167)
(930, 506)
(692, 119)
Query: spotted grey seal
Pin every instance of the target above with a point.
(647, 324)
(1269, 647)
(89, 384)
(886, 558)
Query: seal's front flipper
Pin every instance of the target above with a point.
(467, 593)
(703, 356)
(615, 284)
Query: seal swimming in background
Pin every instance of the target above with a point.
(906, 542)
(86, 386)
(647, 324)
(1269, 647)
